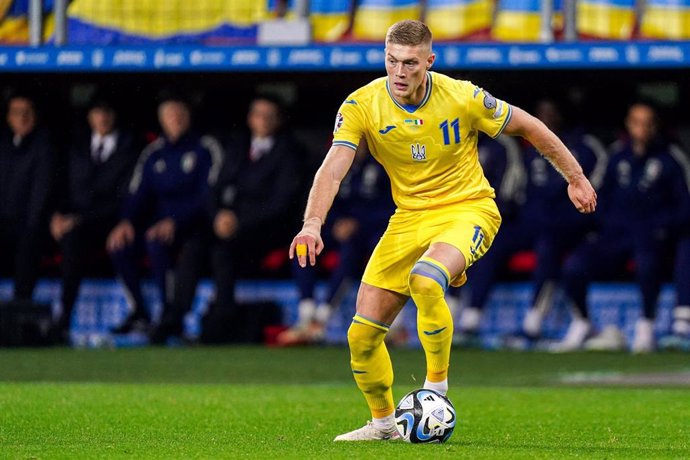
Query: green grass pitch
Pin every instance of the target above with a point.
(249, 402)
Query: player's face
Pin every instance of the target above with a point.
(21, 116)
(406, 67)
(641, 124)
(174, 119)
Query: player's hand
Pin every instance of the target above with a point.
(582, 194)
(120, 236)
(307, 243)
(225, 224)
(163, 231)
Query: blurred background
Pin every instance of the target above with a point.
(224, 79)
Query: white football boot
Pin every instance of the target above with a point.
(610, 339)
(643, 340)
(369, 433)
(681, 321)
(578, 331)
(531, 324)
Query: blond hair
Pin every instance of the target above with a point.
(409, 33)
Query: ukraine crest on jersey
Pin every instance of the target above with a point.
(429, 150)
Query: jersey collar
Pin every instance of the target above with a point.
(410, 108)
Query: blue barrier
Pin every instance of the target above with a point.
(341, 57)
(102, 305)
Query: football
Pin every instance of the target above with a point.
(425, 416)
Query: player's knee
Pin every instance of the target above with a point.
(428, 278)
(424, 286)
(363, 339)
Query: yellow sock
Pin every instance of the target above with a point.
(428, 283)
(371, 364)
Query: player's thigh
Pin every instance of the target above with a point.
(396, 253)
(470, 229)
(449, 256)
(379, 304)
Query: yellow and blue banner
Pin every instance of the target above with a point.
(607, 19)
(14, 21)
(374, 17)
(330, 19)
(456, 19)
(164, 21)
(517, 20)
(666, 19)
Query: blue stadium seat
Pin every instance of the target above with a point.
(666, 20)
(330, 19)
(374, 17)
(457, 19)
(606, 19)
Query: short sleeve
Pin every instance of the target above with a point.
(349, 124)
(488, 114)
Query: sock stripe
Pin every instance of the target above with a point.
(425, 268)
(360, 319)
(436, 264)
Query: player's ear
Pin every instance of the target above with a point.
(430, 60)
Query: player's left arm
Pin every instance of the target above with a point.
(580, 190)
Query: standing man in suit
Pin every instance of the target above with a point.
(99, 166)
(27, 160)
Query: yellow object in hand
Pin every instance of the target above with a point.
(301, 249)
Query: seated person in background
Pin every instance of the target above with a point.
(27, 170)
(534, 226)
(644, 197)
(680, 326)
(166, 210)
(359, 216)
(100, 164)
(680, 321)
(254, 202)
(559, 228)
(502, 162)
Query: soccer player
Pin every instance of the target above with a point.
(422, 127)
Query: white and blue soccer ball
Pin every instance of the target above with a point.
(425, 416)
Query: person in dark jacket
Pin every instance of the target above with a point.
(537, 218)
(503, 164)
(100, 165)
(644, 200)
(27, 168)
(254, 206)
(359, 216)
(166, 211)
(680, 327)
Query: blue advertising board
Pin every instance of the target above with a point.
(349, 57)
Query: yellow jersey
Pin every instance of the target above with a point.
(429, 150)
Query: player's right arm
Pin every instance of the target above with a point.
(326, 185)
(349, 129)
